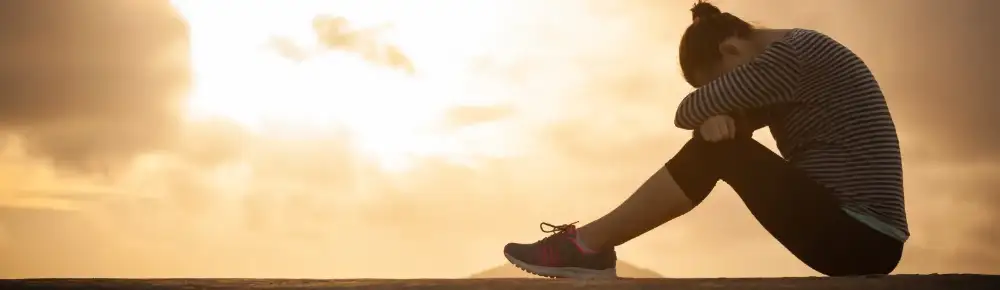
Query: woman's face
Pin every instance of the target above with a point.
(735, 51)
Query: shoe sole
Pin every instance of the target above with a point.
(563, 272)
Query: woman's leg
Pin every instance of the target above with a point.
(800, 213)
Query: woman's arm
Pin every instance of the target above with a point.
(770, 78)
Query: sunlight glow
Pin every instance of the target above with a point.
(390, 115)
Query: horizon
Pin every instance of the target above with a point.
(253, 140)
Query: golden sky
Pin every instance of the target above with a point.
(407, 139)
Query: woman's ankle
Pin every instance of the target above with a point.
(588, 241)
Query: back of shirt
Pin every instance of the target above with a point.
(834, 122)
(843, 134)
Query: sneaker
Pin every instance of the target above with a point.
(559, 256)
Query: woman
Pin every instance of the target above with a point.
(834, 197)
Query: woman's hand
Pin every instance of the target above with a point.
(718, 128)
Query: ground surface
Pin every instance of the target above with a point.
(907, 282)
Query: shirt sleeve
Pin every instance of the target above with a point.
(770, 78)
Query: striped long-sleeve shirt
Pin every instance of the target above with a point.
(835, 124)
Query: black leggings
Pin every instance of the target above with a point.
(801, 214)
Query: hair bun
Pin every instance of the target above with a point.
(703, 9)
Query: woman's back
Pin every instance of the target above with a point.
(839, 130)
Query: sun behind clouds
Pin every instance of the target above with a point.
(391, 114)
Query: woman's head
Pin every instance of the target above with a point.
(714, 44)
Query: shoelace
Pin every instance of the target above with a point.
(554, 228)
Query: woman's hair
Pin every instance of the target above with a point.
(709, 28)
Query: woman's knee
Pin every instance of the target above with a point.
(726, 152)
(699, 165)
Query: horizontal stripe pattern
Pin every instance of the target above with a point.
(838, 128)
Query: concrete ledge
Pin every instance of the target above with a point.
(907, 282)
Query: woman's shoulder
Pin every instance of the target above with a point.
(808, 42)
(803, 36)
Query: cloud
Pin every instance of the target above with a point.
(591, 95)
(88, 89)
(335, 33)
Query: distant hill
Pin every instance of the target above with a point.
(625, 270)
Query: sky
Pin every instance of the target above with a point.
(406, 139)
